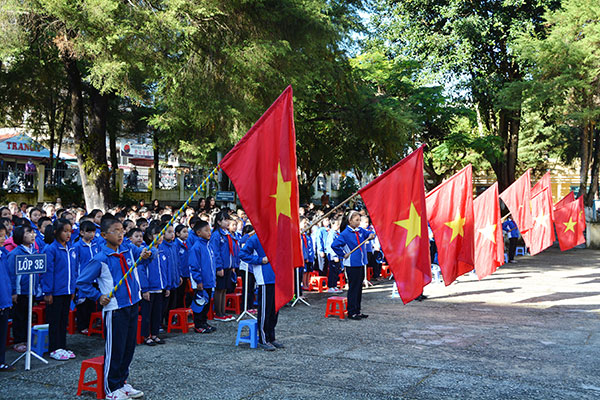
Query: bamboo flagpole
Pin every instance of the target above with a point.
(329, 212)
(162, 232)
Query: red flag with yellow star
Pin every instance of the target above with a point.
(450, 212)
(396, 205)
(545, 184)
(517, 198)
(565, 200)
(570, 224)
(262, 167)
(539, 236)
(489, 244)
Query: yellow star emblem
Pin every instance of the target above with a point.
(489, 232)
(412, 224)
(570, 225)
(456, 225)
(540, 219)
(283, 196)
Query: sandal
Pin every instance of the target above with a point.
(20, 348)
(6, 368)
(158, 340)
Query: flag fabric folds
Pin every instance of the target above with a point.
(396, 203)
(450, 211)
(565, 200)
(570, 224)
(262, 167)
(489, 243)
(540, 235)
(517, 198)
(545, 184)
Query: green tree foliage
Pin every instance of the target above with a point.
(565, 83)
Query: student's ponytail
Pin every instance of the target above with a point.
(49, 234)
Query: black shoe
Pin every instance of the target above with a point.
(267, 346)
(355, 317)
(421, 297)
(277, 344)
(363, 315)
(158, 340)
(149, 342)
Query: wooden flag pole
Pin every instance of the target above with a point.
(329, 212)
(357, 247)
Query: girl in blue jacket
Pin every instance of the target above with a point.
(254, 254)
(351, 235)
(6, 302)
(24, 238)
(182, 249)
(223, 247)
(202, 270)
(154, 284)
(58, 285)
(168, 251)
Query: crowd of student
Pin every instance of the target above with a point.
(198, 258)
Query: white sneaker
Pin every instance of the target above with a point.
(131, 392)
(59, 355)
(118, 394)
(331, 290)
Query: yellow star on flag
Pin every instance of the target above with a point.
(412, 224)
(283, 196)
(539, 220)
(570, 225)
(456, 225)
(489, 232)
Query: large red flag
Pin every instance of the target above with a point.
(450, 212)
(565, 200)
(545, 184)
(517, 198)
(262, 167)
(489, 244)
(396, 204)
(570, 224)
(540, 235)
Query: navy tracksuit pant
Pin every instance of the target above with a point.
(120, 331)
(267, 316)
(356, 276)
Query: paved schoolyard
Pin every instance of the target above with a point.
(530, 331)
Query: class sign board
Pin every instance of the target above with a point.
(30, 264)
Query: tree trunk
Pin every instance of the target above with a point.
(112, 140)
(156, 160)
(52, 131)
(584, 155)
(97, 135)
(591, 193)
(86, 147)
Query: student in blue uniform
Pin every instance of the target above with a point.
(512, 231)
(120, 312)
(34, 215)
(333, 260)
(96, 217)
(6, 303)
(254, 254)
(308, 253)
(320, 244)
(223, 247)
(249, 286)
(351, 235)
(86, 248)
(135, 237)
(154, 285)
(182, 249)
(202, 274)
(58, 286)
(169, 255)
(24, 238)
(42, 224)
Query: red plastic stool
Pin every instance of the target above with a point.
(96, 385)
(342, 281)
(39, 312)
(336, 306)
(138, 338)
(9, 338)
(92, 329)
(181, 323)
(318, 283)
(233, 302)
(313, 274)
(239, 287)
(385, 271)
(211, 313)
(369, 273)
(71, 327)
